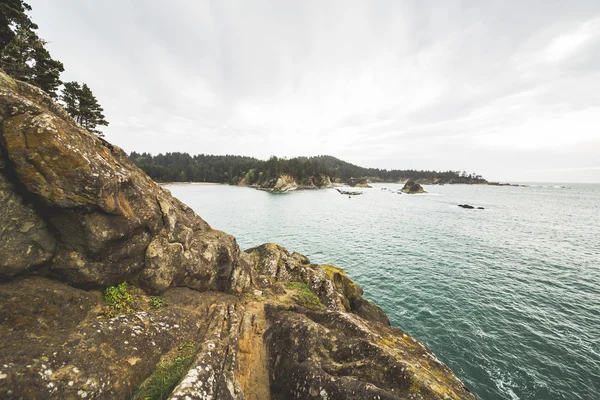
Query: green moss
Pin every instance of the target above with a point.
(332, 270)
(187, 345)
(304, 296)
(118, 299)
(168, 374)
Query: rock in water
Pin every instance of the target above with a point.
(78, 216)
(412, 187)
(470, 207)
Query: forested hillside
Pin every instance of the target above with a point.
(182, 167)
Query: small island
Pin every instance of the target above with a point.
(412, 187)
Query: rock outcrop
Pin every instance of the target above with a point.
(78, 216)
(283, 183)
(358, 182)
(286, 183)
(349, 192)
(80, 211)
(317, 182)
(412, 187)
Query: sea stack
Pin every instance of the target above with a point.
(110, 286)
(411, 187)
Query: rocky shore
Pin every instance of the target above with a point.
(110, 288)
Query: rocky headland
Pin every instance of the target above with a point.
(111, 288)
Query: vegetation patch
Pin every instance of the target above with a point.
(332, 270)
(304, 295)
(118, 299)
(156, 302)
(168, 374)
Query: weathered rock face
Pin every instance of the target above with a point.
(358, 182)
(322, 181)
(78, 209)
(283, 183)
(25, 242)
(335, 290)
(412, 187)
(78, 216)
(325, 354)
(56, 345)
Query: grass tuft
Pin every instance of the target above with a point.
(167, 375)
(304, 295)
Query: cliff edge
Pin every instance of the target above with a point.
(198, 318)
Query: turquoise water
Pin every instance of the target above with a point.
(508, 297)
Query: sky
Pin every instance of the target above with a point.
(506, 89)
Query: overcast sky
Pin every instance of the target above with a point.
(507, 89)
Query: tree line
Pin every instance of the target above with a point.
(182, 167)
(23, 56)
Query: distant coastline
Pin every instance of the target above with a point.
(306, 172)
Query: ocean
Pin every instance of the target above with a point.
(508, 297)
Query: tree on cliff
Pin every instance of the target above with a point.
(22, 52)
(82, 105)
(12, 16)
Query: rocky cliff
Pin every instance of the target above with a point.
(286, 183)
(199, 318)
(283, 183)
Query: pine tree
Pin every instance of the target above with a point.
(82, 105)
(46, 71)
(70, 98)
(22, 52)
(13, 17)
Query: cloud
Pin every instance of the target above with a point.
(392, 84)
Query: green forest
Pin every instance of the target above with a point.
(182, 167)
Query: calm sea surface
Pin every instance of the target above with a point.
(508, 297)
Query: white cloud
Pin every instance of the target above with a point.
(384, 83)
(568, 43)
